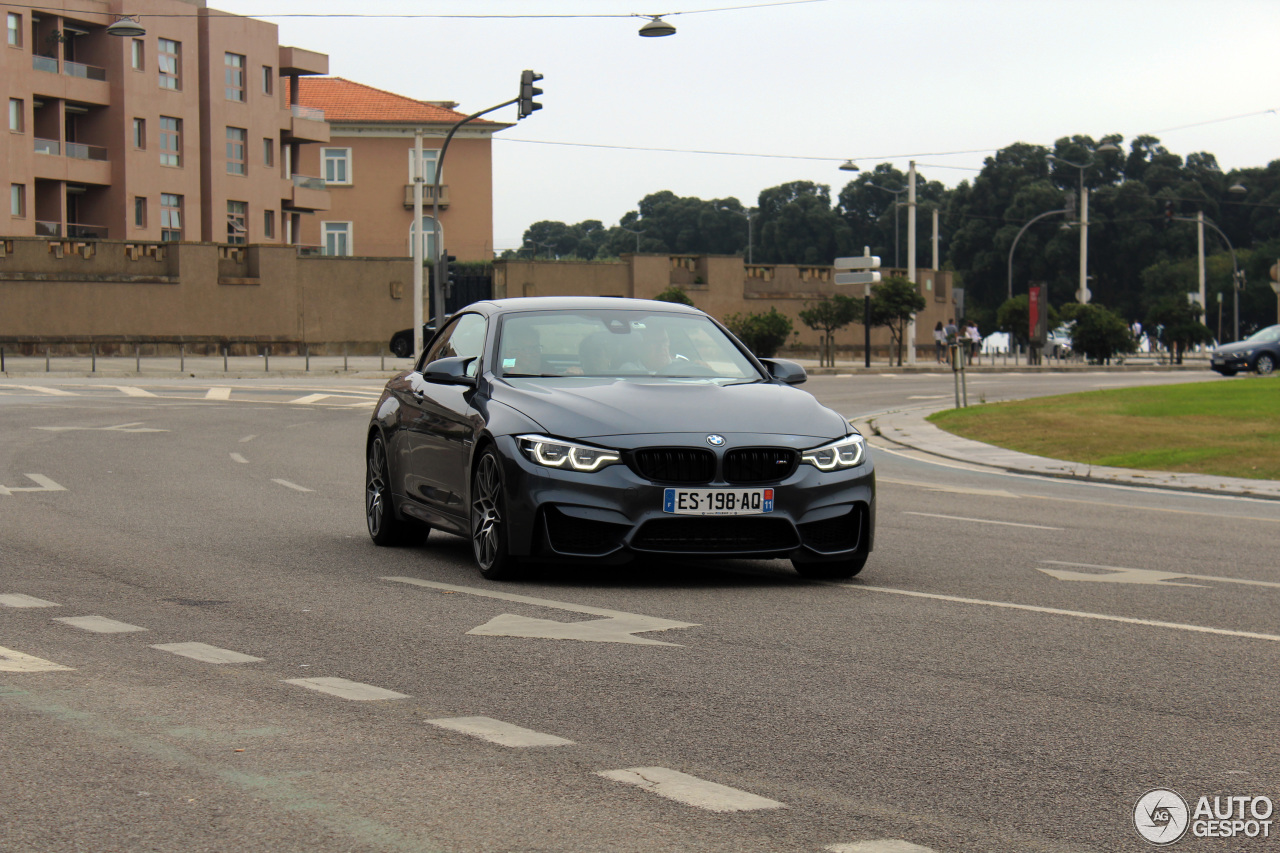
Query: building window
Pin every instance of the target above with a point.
(268, 152)
(269, 224)
(139, 212)
(169, 59)
(235, 150)
(237, 222)
(140, 133)
(428, 165)
(337, 238)
(18, 200)
(170, 141)
(170, 217)
(268, 79)
(137, 57)
(337, 165)
(16, 114)
(15, 29)
(234, 76)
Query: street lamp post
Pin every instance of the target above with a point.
(1019, 237)
(896, 193)
(636, 232)
(1237, 274)
(1082, 294)
(748, 215)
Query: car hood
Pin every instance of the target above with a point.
(1237, 347)
(597, 408)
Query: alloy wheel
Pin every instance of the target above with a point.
(486, 512)
(375, 488)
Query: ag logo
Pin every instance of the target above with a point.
(1160, 816)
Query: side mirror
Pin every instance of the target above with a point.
(785, 371)
(450, 371)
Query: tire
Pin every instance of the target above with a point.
(835, 570)
(385, 528)
(488, 520)
(400, 347)
(1265, 365)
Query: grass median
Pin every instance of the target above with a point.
(1228, 428)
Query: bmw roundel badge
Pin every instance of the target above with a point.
(715, 440)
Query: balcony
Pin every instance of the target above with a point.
(87, 72)
(308, 193)
(48, 146)
(86, 152)
(307, 124)
(428, 192)
(48, 229)
(45, 63)
(80, 231)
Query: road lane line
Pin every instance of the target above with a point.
(981, 520)
(206, 653)
(218, 392)
(11, 661)
(53, 392)
(880, 845)
(98, 624)
(236, 457)
(1271, 584)
(20, 600)
(1079, 614)
(293, 486)
(344, 689)
(309, 399)
(690, 790)
(247, 438)
(496, 731)
(133, 391)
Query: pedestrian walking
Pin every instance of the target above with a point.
(939, 343)
(974, 339)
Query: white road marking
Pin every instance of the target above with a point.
(218, 392)
(880, 845)
(135, 426)
(929, 396)
(615, 627)
(310, 398)
(1271, 584)
(236, 457)
(956, 490)
(691, 790)
(981, 520)
(496, 731)
(344, 689)
(206, 653)
(293, 486)
(247, 438)
(43, 484)
(1079, 614)
(19, 600)
(11, 661)
(1138, 576)
(53, 392)
(98, 624)
(133, 391)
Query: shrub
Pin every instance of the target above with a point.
(674, 294)
(764, 334)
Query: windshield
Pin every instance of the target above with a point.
(604, 343)
(1269, 335)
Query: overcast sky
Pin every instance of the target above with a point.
(943, 82)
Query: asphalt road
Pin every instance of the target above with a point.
(1021, 660)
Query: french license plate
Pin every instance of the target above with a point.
(717, 501)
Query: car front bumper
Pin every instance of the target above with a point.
(613, 513)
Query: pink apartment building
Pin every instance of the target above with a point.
(183, 133)
(367, 167)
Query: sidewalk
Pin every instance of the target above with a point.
(908, 428)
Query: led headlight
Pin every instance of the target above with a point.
(555, 453)
(848, 452)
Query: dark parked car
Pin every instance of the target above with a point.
(1260, 352)
(402, 341)
(598, 428)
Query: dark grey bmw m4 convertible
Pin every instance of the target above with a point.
(594, 429)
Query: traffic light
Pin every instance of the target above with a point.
(527, 93)
(450, 271)
(1168, 212)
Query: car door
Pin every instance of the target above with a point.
(439, 423)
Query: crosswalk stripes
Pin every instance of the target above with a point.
(12, 661)
(691, 790)
(344, 689)
(496, 731)
(880, 845)
(206, 653)
(19, 600)
(98, 624)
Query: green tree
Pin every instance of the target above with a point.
(1176, 321)
(1014, 318)
(893, 302)
(829, 315)
(763, 334)
(797, 225)
(676, 294)
(1097, 332)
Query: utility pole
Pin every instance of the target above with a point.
(911, 256)
(417, 241)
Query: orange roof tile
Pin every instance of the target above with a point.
(347, 101)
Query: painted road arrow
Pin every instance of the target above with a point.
(1121, 574)
(44, 484)
(615, 626)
